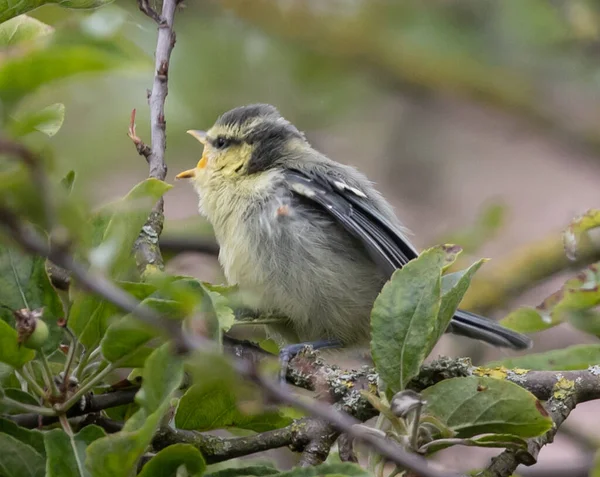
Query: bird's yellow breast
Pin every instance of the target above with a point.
(229, 203)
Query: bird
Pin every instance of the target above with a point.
(303, 236)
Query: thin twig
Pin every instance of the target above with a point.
(73, 345)
(144, 6)
(147, 251)
(48, 373)
(31, 383)
(142, 148)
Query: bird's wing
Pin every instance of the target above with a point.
(350, 206)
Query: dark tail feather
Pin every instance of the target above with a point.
(477, 327)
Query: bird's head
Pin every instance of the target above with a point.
(245, 141)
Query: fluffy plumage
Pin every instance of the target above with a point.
(302, 235)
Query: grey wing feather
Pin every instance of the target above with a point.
(386, 246)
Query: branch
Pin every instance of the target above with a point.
(92, 404)
(218, 449)
(321, 438)
(146, 248)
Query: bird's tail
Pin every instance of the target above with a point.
(477, 327)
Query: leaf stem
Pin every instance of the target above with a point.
(88, 355)
(69, 362)
(40, 370)
(48, 372)
(43, 411)
(373, 458)
(416, 421)
(23, 372)
(64, 422)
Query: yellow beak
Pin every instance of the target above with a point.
(190, 173)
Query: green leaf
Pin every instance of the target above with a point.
(454, 287)
(114, 253)
(212, 404)
(477, 405)
(10, 351)
(404, 316)
(332, 470)
(18, 459)
(24, 283)
(10, 9)
(168, 460)
(129, 336)
(160, 379)
(570, 358)
(66, 455)
(8, 379)
(528, 320)
(48, 121)
(117, 455)
(216, 303)
(21, 29)
(574, 233)
(89, 315)
(253, 470)
(587, 321)
(33, 438)
(577, 294)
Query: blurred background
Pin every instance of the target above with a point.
(479, 120)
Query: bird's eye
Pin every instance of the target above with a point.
(221, 142)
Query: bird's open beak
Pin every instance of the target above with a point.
(190, 173)
(200, 135)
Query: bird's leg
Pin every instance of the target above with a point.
(288, 352)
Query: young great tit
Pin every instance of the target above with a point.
(304, 236)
